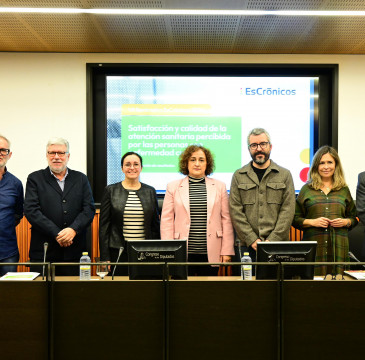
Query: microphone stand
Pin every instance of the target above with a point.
(45, 247)
(353, 257)
(115, 266)
(238, 242)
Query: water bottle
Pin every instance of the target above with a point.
(85, 273)
(246, 269)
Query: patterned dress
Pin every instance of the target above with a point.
(333, 243)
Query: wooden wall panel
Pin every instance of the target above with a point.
(95, 253)
(95, 236)
(295, 234)
(23, 234)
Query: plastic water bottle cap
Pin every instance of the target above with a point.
(246, 253)
(85, 253)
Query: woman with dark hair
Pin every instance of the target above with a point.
(325, 210)
(196, 209)
(129, 211)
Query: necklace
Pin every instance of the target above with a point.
(326, 188)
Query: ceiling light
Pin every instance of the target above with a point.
(182, 12)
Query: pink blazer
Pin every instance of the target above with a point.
(175, 218)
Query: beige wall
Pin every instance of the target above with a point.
(44, 95)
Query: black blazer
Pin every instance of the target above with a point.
(360, 197)
(111, 216)
(49, 210)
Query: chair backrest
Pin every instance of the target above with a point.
(357, 241)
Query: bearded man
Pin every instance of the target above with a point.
(262, 196)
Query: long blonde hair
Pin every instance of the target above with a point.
(315, 180)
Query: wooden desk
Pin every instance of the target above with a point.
(198, 318)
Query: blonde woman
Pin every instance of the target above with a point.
(325, 210)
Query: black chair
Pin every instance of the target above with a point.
(357, 244)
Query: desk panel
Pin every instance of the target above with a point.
(108, 319)
(24, 320)
(223, 320)
(323, 320)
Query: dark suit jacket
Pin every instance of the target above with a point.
(112, 212)
(49, 210)
(360, 197)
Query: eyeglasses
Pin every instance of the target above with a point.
(263, 145)
(59, 153)
(129, 165)
(4, 152)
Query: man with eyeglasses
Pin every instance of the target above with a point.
(262, 196)
(11, 210)
(59, 205)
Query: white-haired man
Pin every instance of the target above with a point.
(60, 206)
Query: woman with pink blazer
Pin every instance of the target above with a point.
(196, 209)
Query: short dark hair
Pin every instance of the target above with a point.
(186, 155)
(130, 153)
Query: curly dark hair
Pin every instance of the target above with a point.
(186, 155)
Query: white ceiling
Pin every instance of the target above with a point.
(184, 34)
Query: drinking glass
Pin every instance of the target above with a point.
(102, 270)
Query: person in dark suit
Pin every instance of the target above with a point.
(360, 197)
(59, 205)
(128, 211)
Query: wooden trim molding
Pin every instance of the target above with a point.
(23, 235)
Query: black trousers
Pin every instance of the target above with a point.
(201, 270)
(60, 270)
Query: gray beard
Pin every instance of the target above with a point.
(260, 161)
(57, 171)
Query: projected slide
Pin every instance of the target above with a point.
(159, 116)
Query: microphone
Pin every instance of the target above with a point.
(45, 247)
(115, 266)
(238, 244)
(353, 257)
